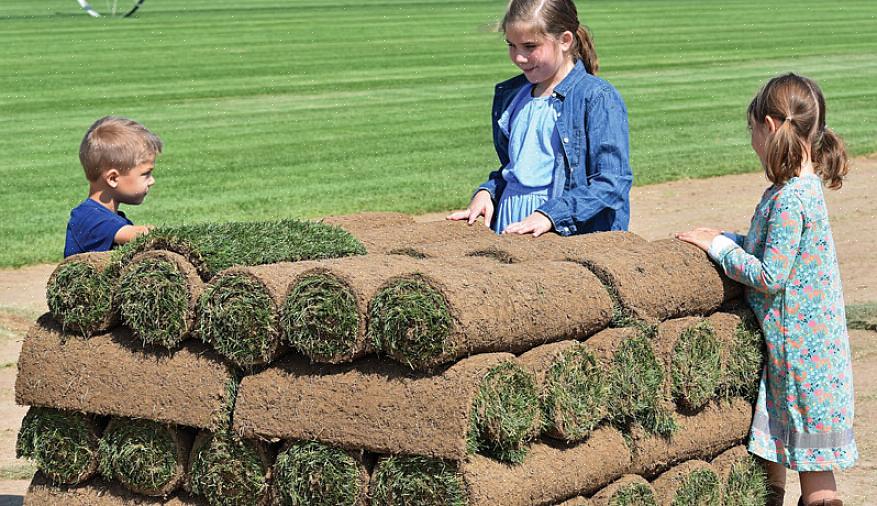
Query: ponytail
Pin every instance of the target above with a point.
(830, 159)
(585, 50)
(784, 153)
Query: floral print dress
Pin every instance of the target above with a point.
(804, 412)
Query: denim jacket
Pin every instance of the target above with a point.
(591, 185)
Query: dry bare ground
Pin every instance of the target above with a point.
(657, 212)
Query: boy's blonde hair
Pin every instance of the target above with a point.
(117, 143)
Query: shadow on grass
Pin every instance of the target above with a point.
(862, 316)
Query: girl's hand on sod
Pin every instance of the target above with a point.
(536, 224)
(701, 237)
(481, 205)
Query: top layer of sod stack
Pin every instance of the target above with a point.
(660, 280)
(80, 293)
(450, 308)
(395, 238)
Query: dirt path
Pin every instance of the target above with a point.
(657, 212)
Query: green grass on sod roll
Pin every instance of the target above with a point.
(636, 388)
(320, 318)
(504, 413)
(308, 473)
(745, 362)
(700, 488)
(410, 321)
(62, 444)
(212, 247)
(696, 366)
(154, 302)
(635, 494)
(80, 296)
(237, 317)
(141, 454)
(416, 481)
(575, 394)
(746, 484)
(228, 471)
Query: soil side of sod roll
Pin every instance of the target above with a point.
(451, 308)
(157, 293)
(107, 375)
(373, 405)
(368, 220)
(576, 501)
(80, 291)
(325, 312)
(573, 385)
(97, 492)
(718, 427)
(383, 240)
(629, 490)
(549, 474)
(692, 483)
(62, 444)
(664, 279)
(309, 473)
(229, 471)
(744, 480)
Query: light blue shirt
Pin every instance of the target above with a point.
(530, 123)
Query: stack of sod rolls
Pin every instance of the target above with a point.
(374, 360)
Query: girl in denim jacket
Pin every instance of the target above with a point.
(560, 132)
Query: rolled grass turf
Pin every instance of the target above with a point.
(325, 309)
(744, 482)
(107, 375)
(719, 426)
(629, 490)
(309, 473)
(157, 292)
(576, 501)
(416, 481)
(383, 240)
(451, 308)
(80, 293)
(146, 457)
(692, 353)
(62, 444)
(743, 361)
(229, 471)
(97, 492)
(573, 385)
(637, 379)
(659, 280)
(485, 402)
(692, 483)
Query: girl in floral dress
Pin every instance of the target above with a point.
(804, 413)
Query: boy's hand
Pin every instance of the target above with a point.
(536, 224)
(130, 232)
(481, 205)
(701, 237)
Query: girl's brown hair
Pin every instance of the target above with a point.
(555, 17)
(797, 103)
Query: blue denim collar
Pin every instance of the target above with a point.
(575, 75)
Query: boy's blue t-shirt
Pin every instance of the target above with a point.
(92, 227)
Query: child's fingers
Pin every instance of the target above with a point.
(488, 215)
(458, 215)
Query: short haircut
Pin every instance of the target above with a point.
(117, 143)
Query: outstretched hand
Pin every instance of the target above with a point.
(481, 205)
(701, 237)
(536, 224)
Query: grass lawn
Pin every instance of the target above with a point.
(287, 108)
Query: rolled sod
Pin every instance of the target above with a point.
(692, 483)
(573, 385)
(576, 501)
(451, 308)
(97, 492)
(239, 311)
(324, 313)
(660, 280)
(62, 444)
(229, 471)
(719, 426)
(629, 490)
(311, 473)
(637, 379)
(146, 457)
(744, 482)
(550, 473)
(692, 353)
(157, 292)
(383, 240)
(416, 481)
(80, 291)
(107, 375)
(483, 402)
(368, 220)
(743, 361)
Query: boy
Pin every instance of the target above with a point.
(118, 156)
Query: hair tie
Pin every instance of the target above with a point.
(789, 119)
